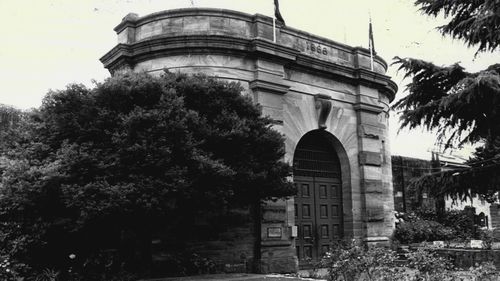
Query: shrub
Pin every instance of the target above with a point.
(184, 264)
(349, 261)
(352, 262)
(462, 222)
(110, 167)
(428, 265)
(426, 225)
(422, 230)
(488, 237)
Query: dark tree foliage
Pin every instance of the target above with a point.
(462, 107)
(11, 121)
(477, 22)
(132, 155)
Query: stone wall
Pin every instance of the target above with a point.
(230, 248)
(404, 170)
(304, 83)
(465, 258)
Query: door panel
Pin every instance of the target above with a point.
(305, 215)
(328, 221)
(318, 203)
(318, 216)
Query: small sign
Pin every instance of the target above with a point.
(274, 232)
(476, 244)
(294, 231)
(438, 244)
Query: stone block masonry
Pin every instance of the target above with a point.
(323, 97)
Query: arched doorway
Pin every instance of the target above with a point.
(318, 203)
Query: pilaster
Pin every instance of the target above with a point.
(376, 193)
(277, 244)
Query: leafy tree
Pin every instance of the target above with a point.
(462, 107)
(11, 121)
(131, 156)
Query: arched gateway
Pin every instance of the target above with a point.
(329, 100)
(318, 203)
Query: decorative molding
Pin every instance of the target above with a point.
(220, 44)
(267, 86)
(323, 106)
(276, 122)
(368, 108)
(130, 20)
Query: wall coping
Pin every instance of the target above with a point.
(134, 20)
(354, 69)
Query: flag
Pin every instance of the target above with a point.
(277, 14)
(371, 43)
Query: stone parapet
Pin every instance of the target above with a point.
(213, 30)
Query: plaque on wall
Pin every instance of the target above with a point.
(274, 232)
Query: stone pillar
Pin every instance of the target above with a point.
(375, 173)
(277, 247)
(126, 29)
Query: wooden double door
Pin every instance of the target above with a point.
(318, 216)
(318, 202)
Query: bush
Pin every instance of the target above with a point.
(488, 237)
(463, 223)
(426, 225)
(185, 264)
(422, 230)
(428, 265)
(112, 166)
(349, 261)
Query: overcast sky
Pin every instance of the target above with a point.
(47, 44)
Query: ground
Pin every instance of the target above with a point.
(236, 277)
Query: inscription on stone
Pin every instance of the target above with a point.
(316, 48)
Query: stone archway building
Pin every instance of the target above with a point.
(322, 95)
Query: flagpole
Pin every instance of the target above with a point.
(274, 21)
(370, 42)
(274, 29)
(371, 57)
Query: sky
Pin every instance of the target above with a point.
(47, 44)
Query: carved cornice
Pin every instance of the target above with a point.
(213, 44)
(267, 86)
(134, 21)
(368, 108)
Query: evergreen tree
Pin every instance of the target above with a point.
(463, 107)
(134, 155)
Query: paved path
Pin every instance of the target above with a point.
(236, 277)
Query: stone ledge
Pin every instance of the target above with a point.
(240, 47)
(257, 22)
(368, 108)
(266, 86)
